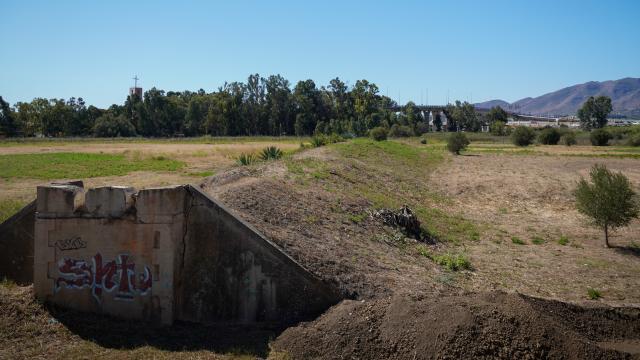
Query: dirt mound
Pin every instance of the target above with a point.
(491, 325)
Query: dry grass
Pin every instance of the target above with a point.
(529, 197)
(202, 159)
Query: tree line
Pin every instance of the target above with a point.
(259, 106)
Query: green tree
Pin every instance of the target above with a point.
(497, 114)
(593, 113)
(609, 201)
(108, 125)
(8, 126)
(465, 117)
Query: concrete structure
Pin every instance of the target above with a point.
(16, 246)
(162, 255)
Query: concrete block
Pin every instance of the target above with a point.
(109, 201)
(59, 200)
(159, 205)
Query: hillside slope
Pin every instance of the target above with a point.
(624, 93)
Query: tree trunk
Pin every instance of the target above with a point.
(606, 236)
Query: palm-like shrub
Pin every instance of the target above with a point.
(246, 159)
(271, 153)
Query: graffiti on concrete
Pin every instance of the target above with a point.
(72, 243)
(116, 275)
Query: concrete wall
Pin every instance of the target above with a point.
(164, 254)
(16, 246)
(231, 273)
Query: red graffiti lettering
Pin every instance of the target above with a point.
(99, 276)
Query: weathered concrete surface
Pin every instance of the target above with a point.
(16, 245)
(165, 254)
(231, 273)
(109, 201)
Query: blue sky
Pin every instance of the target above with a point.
(472, 50)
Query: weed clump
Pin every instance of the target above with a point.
(593, 294)
(452, 262)
(564, 240)
(516, 240)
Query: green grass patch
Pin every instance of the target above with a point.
(593, 294)
(452, 261)
(80, 165)
(564, 240)
(358, 218)
(201, 173)
(9, 207)
(516, 240)
(537, 240)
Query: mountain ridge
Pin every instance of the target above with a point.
(624, 94)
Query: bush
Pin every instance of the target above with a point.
(400, 131)
(568, 139)
(600, 137)
(634, 139)
(271, 153)
(378, 133)
(334, 138)
(549, 136)
(523, 136)
(423, 141)
(457, 142)
(421, 128)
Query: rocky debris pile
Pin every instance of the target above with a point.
(405, 220)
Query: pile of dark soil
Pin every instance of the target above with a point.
(492, 325)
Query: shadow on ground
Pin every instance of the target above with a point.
(627, 250)
(115, 333)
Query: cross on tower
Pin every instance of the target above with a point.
(136, 81)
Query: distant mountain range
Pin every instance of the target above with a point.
(624, 94)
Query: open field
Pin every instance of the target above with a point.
(137, 162)
(512, 259)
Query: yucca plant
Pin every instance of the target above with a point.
(271, 153)
(245, 159)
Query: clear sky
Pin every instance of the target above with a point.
(473, 50)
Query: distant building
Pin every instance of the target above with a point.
(135, 91)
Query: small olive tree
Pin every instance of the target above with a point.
(608, 200)
(457, 142)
